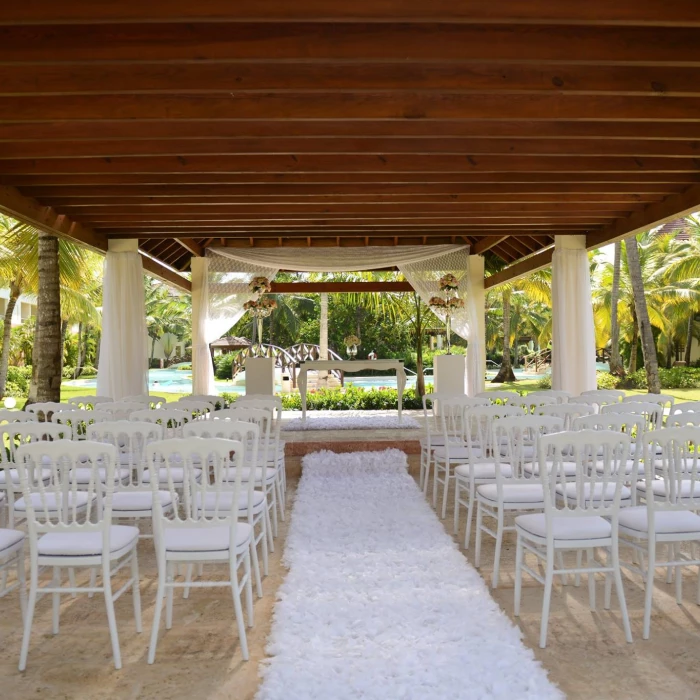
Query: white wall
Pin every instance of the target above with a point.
(25, 307)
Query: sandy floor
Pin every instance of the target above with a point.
(200, 658)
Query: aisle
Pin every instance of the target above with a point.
(379, 604)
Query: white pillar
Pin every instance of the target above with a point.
(476, 310)
(202, 370)
(123, 369)
(573, 333)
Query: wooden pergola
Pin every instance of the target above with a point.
(371, 122)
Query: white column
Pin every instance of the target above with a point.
(123, 369)
(202, 370)
(573, 333)
(476, 310)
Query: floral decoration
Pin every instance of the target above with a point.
(455, 303)
(260, 285)
(437, 302)
(351, 340)
(448, 283)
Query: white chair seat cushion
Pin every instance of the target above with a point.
(14, 475)
(84, 474)
(126, 501)
(569, 468)
(659, 488)
(270, 474)
(9, 539)
(629, 467)
(225, 501)
(177, 473)
(482, 470)
(205, 539)
(86, 544)
(513, 493)
(686, 464)
(78, 500)
(633, 449)
(666, 522)
(570, 491)
(435, 441)
(581, 528)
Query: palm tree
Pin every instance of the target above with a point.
(616, 366)
(642, 312)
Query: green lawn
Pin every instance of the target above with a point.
(68, 392)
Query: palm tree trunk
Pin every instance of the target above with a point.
(64, 332)
(505, 373)
(46, 364)
(6, 335)
(420, 379)
(689, 339)
(153, 351)
(635, 342)
(616, 366)
(98, 337)
(651, 364)
(79, 359)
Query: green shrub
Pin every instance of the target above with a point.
(545, 382)
(229, 398)
(222, 366)
(19, 377)
(184, 368)
(12, 389)
(607, 380)
(674, 378)
(85, 371)
(353, 398)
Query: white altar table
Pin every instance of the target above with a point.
(351, 366)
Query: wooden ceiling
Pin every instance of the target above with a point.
(371, 122)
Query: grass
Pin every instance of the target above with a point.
(69, 392)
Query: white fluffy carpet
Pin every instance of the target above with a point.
(350, 421)
(379, 604)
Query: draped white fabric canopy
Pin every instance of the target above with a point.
(573, 332)
(123, 369)
(220, 288)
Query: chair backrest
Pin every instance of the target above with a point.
(45, 409)
(245, 432)
(681, 418)
(8, 416)
(171, 419)
(664, 400)
(130, 438)
(616, 393)
(15, 434)
(566, 411)
(267, 432)
(632, 424)
(121, 410)
(653, 412)
(478, 429)
(532, 402)
(148, 399)
(558, 394)
(596, 400)
(686, 407)
(89, 401)
(79, 420)
(499, 397)
(218, 402)
(203, 500)
(518, 438)
(196, 409)
(451, 415)
(672, 455)
(66, 502)
(608, 449)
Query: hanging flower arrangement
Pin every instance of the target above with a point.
(351, 340)
(455, 303)
(448, 283)
(260, 285)
(437, 302)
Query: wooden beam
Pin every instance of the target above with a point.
(593, 12)
(351, 106)
(192, 246)
(486, 243)
(153, 267)
(656, 214)
(146, 128)
(315, 41)
(338, 287)
(199, 78)
(351, 163)
(535, 262)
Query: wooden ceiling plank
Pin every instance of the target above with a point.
(520, 269)
(486, 243)
(192, 246)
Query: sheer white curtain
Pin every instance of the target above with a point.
(573, 333)
(476, 313)
(123, 369)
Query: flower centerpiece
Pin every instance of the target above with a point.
(260, 307)
(447, 304)
(351, 343)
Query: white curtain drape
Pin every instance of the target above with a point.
(202, 370)
(230, 271)
(573, 333)
(123, 369)
(476, 313)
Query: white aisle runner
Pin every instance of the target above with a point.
(379, 604)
